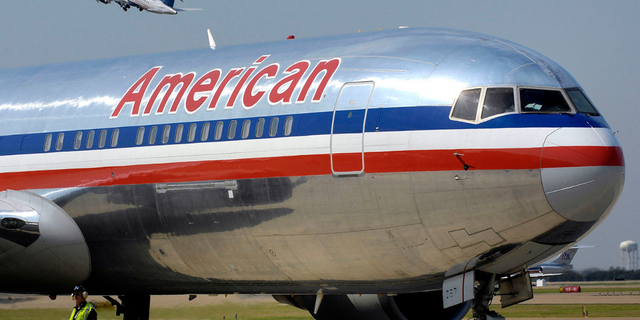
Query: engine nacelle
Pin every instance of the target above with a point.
(41, 247)
(374, 307)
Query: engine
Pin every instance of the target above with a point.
(378, 307)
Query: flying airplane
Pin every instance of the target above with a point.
(155, 6)
(383, 175)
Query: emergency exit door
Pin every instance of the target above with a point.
(347, 128)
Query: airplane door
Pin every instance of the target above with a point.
(347, 128)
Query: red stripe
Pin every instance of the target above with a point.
(310, 165)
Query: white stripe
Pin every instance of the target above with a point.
(505, 138)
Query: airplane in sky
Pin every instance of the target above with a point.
(382, 175)
(155, 6)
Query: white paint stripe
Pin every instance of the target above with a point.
(506, 138)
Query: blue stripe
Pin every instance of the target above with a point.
(308, 124)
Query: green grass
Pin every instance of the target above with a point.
(568, 311)
(274, 311)
(258, 311)
(625, 290)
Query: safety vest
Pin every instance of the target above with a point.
(83, 313)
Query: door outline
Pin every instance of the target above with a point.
(338, 107)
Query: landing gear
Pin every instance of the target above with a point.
(132, 307)
(484, 291)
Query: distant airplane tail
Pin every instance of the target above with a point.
(565, 258)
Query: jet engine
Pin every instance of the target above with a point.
(41, 248)
(378, 307)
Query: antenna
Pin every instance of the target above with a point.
(212, 42)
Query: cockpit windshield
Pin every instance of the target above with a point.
(581, 102)
(543, 101)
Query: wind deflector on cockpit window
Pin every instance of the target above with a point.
(543, 101)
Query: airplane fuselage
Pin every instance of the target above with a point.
(339, 164)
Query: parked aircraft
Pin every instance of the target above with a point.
(382, 175)
(155, 6)
(558, 266)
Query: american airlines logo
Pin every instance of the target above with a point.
(565, 256)
(194, 93)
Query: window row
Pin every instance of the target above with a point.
(178, 135)
(232, 130)
(477, 104)
(77, 141)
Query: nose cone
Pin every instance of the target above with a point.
(582, 172)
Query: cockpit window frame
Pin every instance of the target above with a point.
(517, 104)
(561, 90)
(481, 100)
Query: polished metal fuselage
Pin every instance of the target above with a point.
(401, 222)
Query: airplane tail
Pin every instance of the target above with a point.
(168, 3)
(566, 257)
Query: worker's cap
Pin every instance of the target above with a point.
(79, 289)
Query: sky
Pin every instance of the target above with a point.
(595, 41)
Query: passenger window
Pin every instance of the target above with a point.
(543, 101)
(498, 101)
(140, 136)
(179, 130)
(204, 135)
(192, 132)
(246, 126)
(165, 134)
(90, 137)
(288, 124)
(273, 128)
(466, 106)
(259, 127)
(47, 143)
(152, 135)
(114, 137)
(581, 102)
(218, 133)
(103, 139)
(77, 142)
(232, 129)
(59, 141)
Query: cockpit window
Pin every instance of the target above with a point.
(466, 106)
(543, 101)
(498, 101)
(581, 102)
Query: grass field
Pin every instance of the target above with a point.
(274, 311)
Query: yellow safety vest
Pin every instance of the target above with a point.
(83, 313)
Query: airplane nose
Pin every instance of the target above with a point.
(582, 172)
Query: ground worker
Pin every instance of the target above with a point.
(83, 309)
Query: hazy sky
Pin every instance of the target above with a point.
(598, 42)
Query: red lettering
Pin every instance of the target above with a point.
(172, 81)
(236, 90)
(135, 94)
(204, 85)
(329, 67)
(283, 90)
(262, 59)
(249, 100)
(232, 74)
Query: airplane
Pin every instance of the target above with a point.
(558, 266)
(382, 175)
(154, 6)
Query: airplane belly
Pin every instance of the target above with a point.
(397, 231)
